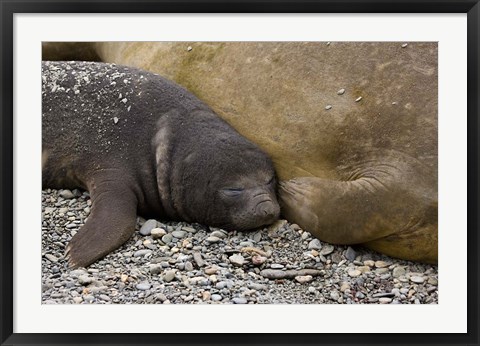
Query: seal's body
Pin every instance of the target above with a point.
(138, 142)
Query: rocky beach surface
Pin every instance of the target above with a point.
(182, 263)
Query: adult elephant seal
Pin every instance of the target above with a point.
(351, 128)
(140, 143)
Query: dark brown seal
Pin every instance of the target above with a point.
(140, 143)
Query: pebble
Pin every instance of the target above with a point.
(417, 279)
(51, 258)
(142, 253)
(156, 269)
(304, 278)
(147, 227)
(354, 273)
(77, 300)
(277, 266)
(213, 239)
(167, 238)
(334, 295)
(143, 286)
(327, 249)
(398, 271)
(385, 300)
(345, 286)
(169, 275)
(327, 107)
(404, 45)
(158, 233)
(315, 244)
(239, 300)
(188, 266)
(258, 260)
(358, 99)
(237, 260)
(179, 234)
(341, 92)
(350, 254)
(85, 280)
(216, 297)
(369, 263)
(218, 234)
(381, 264)
(66, 194)
(197, 256)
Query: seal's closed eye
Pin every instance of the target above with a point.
(233, 192)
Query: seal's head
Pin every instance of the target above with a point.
(214, 176)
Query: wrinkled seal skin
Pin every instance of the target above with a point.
(142, 144)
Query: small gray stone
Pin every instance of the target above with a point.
(169, 275)
(85, 280)
(66, 194)
(385, 300)
(188, 266)
(147, 227)
(398, 271)
(327, 249)
(354, 273)
(218, 234)
(167, 238)
(417, 279)
(51, 258)
(77, 300)
(216, 297)
(341, 92)
(237, 260)
(179, 234)
(277, 266)
(140, 253)
(197, 256)
(143, 286)
(334, 295)
(350, 254)
(158, 233)
(239, 300)
(304, 278)
(213, 239)
(315, 244)
(156, 269)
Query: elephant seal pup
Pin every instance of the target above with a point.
(140, 143)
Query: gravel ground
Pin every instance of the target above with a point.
(177, 262)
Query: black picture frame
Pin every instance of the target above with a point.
(9, 7)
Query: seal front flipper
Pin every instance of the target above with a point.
(110, 224)
(383, 201)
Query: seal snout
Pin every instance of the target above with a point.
(267, 211)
